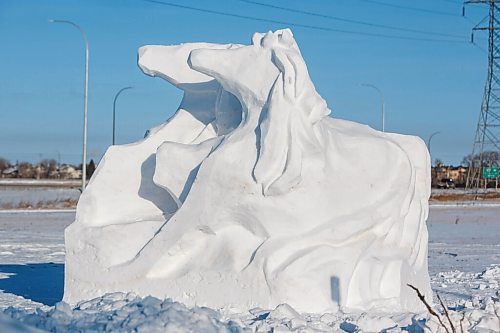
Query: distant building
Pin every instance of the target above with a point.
(69, 172)
(441, 173)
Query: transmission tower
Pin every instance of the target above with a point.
(486, 147)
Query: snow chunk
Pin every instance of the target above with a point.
(125, 313)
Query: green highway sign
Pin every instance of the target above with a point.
(491, 172)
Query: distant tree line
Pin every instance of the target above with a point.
(45, 169)
(489, 158)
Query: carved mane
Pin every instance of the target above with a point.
(293, 101)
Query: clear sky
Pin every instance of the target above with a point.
(432, 79)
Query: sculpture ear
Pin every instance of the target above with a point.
(286, 37)
(256, 38)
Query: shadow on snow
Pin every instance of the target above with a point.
(43, 283)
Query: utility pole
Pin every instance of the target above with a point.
(85, 97)
(487, 137)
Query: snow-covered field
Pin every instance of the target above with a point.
(464, 263)
(29, 197)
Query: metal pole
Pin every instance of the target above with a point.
(429, 141)
(429, 144)
(85, 98)
(382, 102)
(58, 159)
(114, 109)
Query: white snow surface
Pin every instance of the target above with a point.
(464, 262)
(251, 196)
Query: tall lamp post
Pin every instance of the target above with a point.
(85, 97)
(114, 109)
(429, 143)
(382, 101)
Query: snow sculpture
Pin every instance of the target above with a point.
(251, 196)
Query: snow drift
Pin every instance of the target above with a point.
(251, 196)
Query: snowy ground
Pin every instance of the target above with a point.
(464, 263)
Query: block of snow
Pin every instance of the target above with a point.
(252, 196)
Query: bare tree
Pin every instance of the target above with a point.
(4, 164)
(26, 170)
(48, 166)
(489, 158)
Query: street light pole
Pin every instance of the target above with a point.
(58, 159)
(382, 100)
(114, 109)
(85, 98)
(429, 142)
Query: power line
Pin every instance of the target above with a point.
(299, 25)
(335, 18)
(416, 9)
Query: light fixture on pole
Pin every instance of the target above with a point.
(114, 109)
(429, 143)
(382, 100)
(85, 98)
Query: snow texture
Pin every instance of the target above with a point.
(251, 196)
(9, 325)
(460, 255)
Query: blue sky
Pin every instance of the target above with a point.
(428, 85)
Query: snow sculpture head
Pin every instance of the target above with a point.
(281, 94)
(170, 63)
